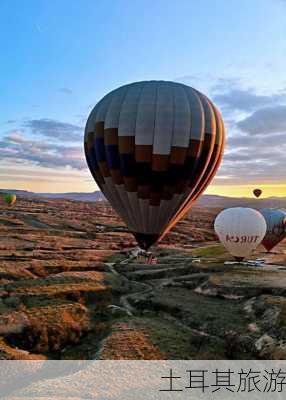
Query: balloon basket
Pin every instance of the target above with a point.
(146, 257)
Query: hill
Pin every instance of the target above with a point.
(224, 202)
(205, 201)
(72, 288)
(77, 196)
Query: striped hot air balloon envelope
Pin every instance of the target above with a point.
(257, 192)
(153, 147)
(276, 231)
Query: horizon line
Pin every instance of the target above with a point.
(98, 190)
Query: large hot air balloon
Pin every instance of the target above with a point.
(240, 230)
(9, 198)
(257, 192)
(152, 148)
(275, 220)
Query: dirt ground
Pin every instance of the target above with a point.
(65, 292)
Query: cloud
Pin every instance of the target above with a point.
(252, 170)
(250, 158)
(246, 100)
(256, 142)
(246, 141)
(55, 129)
(20, 178)
(29, 171)
(15, 147)
(16, 137)
(223, 85)
(65, 90)
(256, 139)
(265, 121)
(256, 128)
(255, 153)
(188, 78)
(38, 28)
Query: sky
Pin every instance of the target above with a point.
(59, 58)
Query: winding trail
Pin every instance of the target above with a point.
(125, 298)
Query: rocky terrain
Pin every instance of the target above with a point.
(72, 288)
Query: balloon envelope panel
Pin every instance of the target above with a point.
(240, 230)
(152, 147)
(275, 233)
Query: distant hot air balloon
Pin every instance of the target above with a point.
(10, 198)
(257, 192)
(275, 220)
(240, 230)
(152, 148)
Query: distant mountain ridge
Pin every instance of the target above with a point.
(206, 200)
(93, 196)
(224, 202)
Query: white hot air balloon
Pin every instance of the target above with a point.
(240, 230)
